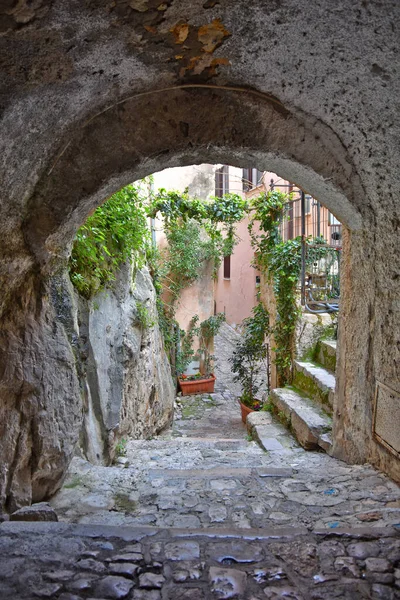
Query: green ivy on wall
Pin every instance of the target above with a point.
(281, 261)
(115, 232)
(196, 232)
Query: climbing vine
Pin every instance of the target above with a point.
(284, 269)
(217, 218)
(281, 261)
(196, 232)
(115, 232)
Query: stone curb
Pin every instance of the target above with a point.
(138, 533)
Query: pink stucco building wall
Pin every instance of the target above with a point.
(236, 296)
(197, 299)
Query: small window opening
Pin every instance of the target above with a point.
(227, 267)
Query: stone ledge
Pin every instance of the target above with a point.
(317, 382)
(139, 533)
(195, 565)
(306, 420)
(129, 533)
(326, 354)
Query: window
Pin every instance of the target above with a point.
(251, 178)
(290, 216)
(222, 181)
(332, 220)
(227, 267)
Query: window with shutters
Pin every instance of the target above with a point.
(251, 178)
(222, 181)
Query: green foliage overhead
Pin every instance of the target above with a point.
(217, 217)
(196, 232)
(174, 206)
(111, 235)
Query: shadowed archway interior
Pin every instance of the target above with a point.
(307, 94)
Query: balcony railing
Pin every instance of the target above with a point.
(321, 235)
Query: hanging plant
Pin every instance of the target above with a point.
(115, 232)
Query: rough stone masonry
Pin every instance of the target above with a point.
(97, 94)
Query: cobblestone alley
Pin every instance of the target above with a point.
(203, 511)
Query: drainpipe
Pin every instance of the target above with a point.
(303, 248)
(318, 219)
(152, 219)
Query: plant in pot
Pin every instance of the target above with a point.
(248, 359)
(204, 380)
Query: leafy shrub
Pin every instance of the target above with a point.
(250, 352)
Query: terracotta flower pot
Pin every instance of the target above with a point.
(197, 386)
(245, 411)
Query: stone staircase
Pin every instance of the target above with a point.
(306, 407)
(203, 512)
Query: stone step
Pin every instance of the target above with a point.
(316, 382)
(43, 560)
(326, 354)
(270, 434)
(307, 421)
(226, 472)
(170, 442)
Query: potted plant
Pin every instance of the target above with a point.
(248, 358)
(204, 380)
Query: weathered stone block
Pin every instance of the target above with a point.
(42, 511)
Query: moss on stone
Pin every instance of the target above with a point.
(122, 503)
(73, 483)
(325, 356)
(307, 385)
(193, 406)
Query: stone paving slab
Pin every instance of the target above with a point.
(310, 489)
(201, 473)
(74, 562)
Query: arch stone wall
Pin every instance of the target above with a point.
(98, 94)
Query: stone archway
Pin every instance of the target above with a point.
(110, 143)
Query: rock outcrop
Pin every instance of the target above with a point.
(40, 394)
(95, 381)
(129, 390)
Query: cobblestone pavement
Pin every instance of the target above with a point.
(202, 512)
(74, 562)
(205, 472)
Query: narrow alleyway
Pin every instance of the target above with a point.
(205, 471)
(207, 513)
